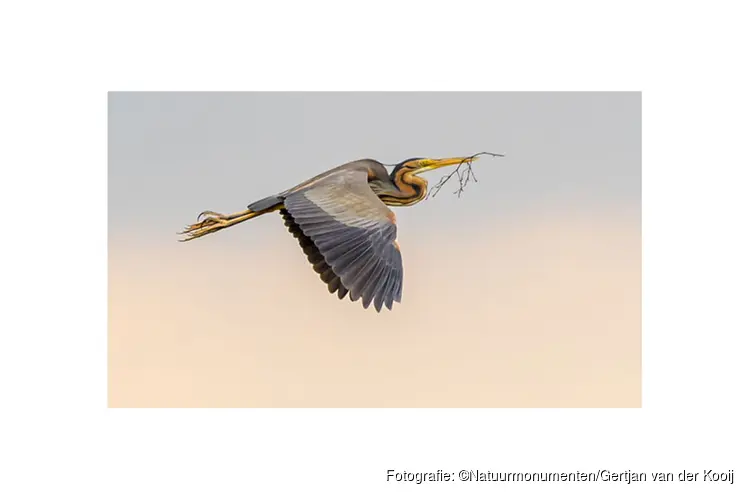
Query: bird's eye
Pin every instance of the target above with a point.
(414, 162)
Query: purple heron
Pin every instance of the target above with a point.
(343, 225)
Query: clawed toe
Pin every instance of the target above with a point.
(210, 214)
(211, 223)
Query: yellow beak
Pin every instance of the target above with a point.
(425, 164)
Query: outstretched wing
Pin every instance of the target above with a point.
(354, 232)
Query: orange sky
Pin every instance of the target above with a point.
(544, 312)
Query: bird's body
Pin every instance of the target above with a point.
(343, 225)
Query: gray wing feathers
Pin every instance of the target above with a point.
(315, 257)
(355, 234)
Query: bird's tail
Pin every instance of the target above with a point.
(210, 222)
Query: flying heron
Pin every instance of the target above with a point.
(343, 225)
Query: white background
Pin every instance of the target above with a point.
(59, 59)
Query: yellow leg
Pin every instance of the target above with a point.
(213, 221)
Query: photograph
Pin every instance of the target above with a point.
(374, 249)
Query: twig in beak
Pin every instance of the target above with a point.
(464, 176)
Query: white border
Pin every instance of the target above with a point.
(61, 58)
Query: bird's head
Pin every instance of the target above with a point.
(419, 165)
(407, 188)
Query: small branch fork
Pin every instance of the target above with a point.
(464, 176)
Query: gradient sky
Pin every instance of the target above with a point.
(172, 155)
(523, 292)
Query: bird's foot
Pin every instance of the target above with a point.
(208, 222)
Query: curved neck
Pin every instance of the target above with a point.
(410, 189)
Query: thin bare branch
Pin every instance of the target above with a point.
(464, 176)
